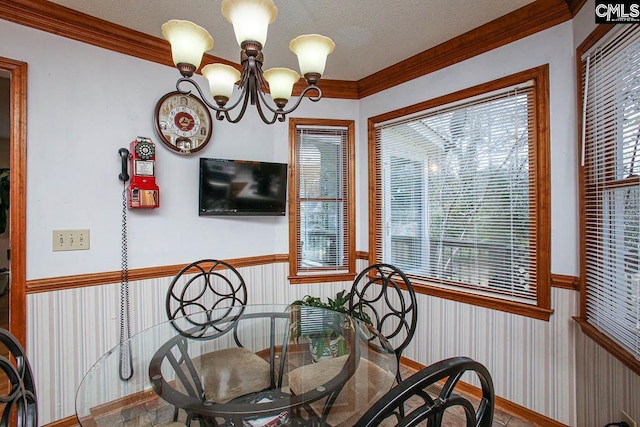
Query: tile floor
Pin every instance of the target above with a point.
(500, 418)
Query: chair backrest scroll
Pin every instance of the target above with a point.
(21, 397)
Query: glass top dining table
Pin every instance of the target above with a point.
(252, 366)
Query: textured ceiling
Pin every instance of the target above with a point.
(369, 34)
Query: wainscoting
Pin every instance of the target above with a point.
(532, 361)
(608, 384)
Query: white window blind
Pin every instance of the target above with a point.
(611, 199)
(457, 206)
(322, 179)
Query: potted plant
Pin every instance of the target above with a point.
(320, 331)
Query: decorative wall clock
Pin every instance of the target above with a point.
(183, 122)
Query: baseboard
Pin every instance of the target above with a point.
(65, 422)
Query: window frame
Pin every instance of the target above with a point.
(324, 274)
(608, 344)
(540, 185)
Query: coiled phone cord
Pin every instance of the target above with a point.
(126, 361)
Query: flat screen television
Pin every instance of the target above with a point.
(242, 187)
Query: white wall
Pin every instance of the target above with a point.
(83, 104)
(553, 46)
(584, 22)
(565, 375)
(532, 361)
(608, 386)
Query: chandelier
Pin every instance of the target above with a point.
(250, 19)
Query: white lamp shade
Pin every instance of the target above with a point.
(221, 79)
(281, 81)
(188, 41)
(250, 18)
(312, 51)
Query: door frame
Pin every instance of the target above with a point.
(17, 207)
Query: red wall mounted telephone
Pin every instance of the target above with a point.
(143, 191)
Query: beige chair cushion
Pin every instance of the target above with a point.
(230, 373)
(364, 388)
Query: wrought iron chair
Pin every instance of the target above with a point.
(20, 400)
(427, 401)
(378, 291)
(197, 293)
(385, 295)
(203, 286)
(196, 375)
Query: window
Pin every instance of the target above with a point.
(611, 191)
(462, 194)
(321, 208)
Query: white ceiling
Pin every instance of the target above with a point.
(369, 34)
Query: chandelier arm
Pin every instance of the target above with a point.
(282, 112)
(277, 115)
(249, 88)
(316, 98)
(300, 98)
(221, 115)
(266, 104)
(204, 98)
(245, 98)
(258, 98)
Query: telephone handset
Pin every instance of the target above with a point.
(143, 191)
(124, 158)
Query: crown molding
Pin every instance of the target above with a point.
(62, 21)
(65, 22)
(575, 5)
(530, 19)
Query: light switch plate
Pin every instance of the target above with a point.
(70, 240)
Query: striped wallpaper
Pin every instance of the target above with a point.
(533, 362)
(604, 386)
